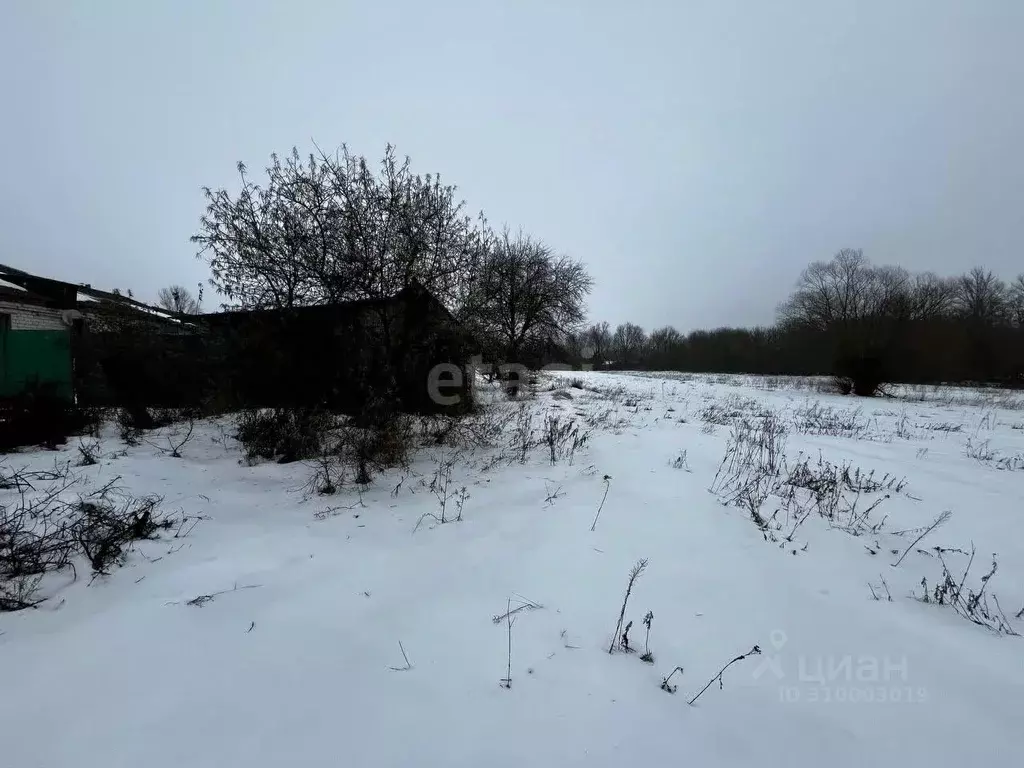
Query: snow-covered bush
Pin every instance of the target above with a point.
(284, 434)
(43, 530)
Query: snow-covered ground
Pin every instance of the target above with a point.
(293, 658)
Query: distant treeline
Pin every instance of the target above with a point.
(864, 324)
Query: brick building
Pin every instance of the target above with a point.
(40, 320)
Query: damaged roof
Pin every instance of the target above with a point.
(23, 287)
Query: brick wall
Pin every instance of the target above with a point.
(26, 317)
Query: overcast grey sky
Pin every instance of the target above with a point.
(696, 155)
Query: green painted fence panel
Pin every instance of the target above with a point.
(30, 357)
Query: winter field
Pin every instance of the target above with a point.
(265, 624)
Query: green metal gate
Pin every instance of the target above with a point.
(30, 359)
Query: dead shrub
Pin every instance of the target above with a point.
(128, 426)
(89, 453)
(842, 385)
(522, 439)
(483, 427)
(19, 592)
(383, 446)
(754, 469)
(980, 451)
(176, 440)
(563, 438)
(372, 445)
(283, 434)
(36, 529)
(817, 419)
(719, 415)
(43, 531)
(105, 527)
(327, 476)
(971, 603)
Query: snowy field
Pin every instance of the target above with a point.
(269, 627)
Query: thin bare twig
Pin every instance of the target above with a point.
(1002, 614)
(607, 485)
(507, 681)
(528, 605)
(938, 521)
(887, 592)
(200, 600)
(666, 684)
(755, 651)
(408, 664)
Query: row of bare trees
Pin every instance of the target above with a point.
(864, 323)
(849, 289)
(882, 322)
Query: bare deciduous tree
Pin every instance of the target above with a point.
(662, 344)
(253, 240)
(330, 228)
(982, 297)
(628, 344)
(573, 344)
(177, 298)
(933, 296)
(860, 308)
(832, 292)
(598, 340)
(523, 295)
(396, 227)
